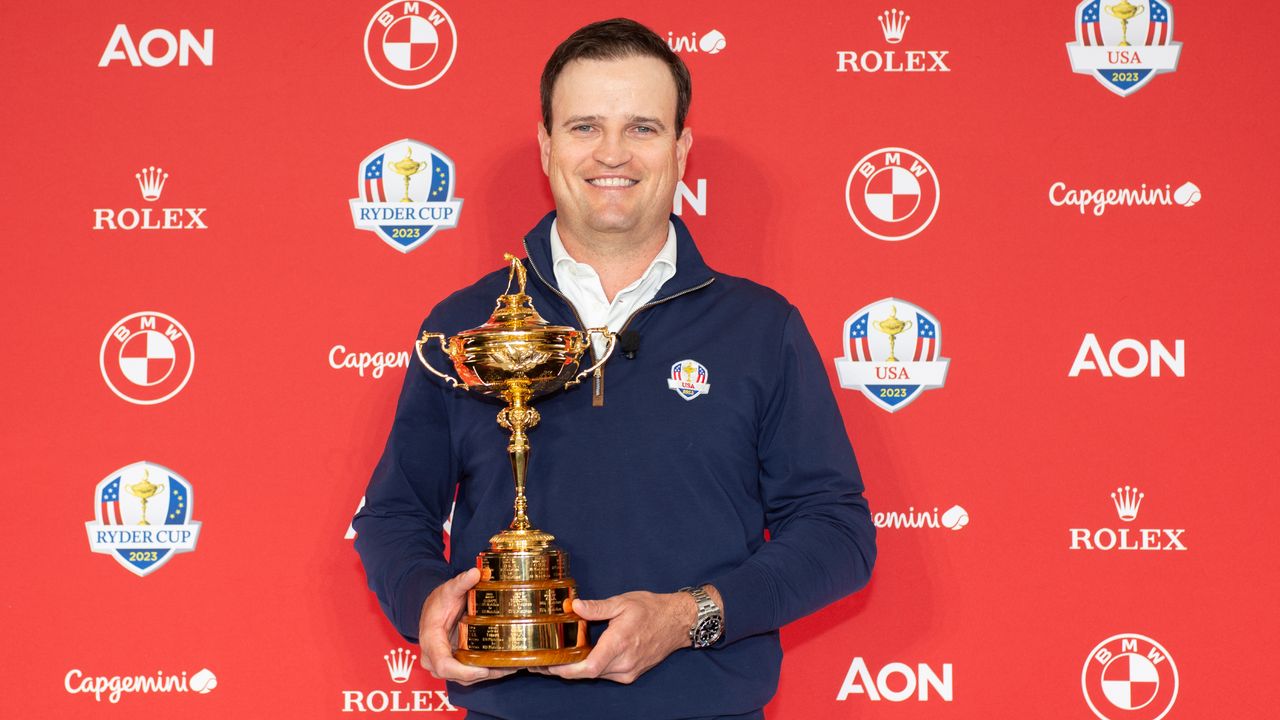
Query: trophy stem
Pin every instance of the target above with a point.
(144, 513)
(518, 417)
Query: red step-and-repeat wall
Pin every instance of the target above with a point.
(1068, 460)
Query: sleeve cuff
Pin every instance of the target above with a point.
(750, 602)
(415, 586)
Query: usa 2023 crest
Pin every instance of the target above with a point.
(142, 517)
(892, 353)
(406, 194)
(1124, 45)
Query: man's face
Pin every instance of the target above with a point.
(612, 155)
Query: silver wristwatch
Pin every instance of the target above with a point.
(709, 626)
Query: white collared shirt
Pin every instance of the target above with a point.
(580, 283)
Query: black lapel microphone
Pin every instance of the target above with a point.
(630, 341)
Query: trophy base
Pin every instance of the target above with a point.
(521, 658)
(520, 613)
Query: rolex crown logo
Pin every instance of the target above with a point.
(400, 664)
(151, 182)
(894, 23)
(1127, 500)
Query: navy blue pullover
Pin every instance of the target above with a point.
(648, 491)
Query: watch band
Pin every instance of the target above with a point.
(709, 625)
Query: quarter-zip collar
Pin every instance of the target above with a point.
(691, 270)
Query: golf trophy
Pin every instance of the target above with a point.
(520, 613)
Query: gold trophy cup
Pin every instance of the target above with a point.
(891, 326)
(1124, 12)
(144, 491)
(407, 167)
(519, 614)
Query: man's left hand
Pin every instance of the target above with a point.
(644, 628)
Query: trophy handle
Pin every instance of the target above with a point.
(613, 338)
(426, 337)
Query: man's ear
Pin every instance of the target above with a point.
(544, 148)
(682, 150)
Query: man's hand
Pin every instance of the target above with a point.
(438, 632)
(644, 628)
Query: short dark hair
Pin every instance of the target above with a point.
(614, 40)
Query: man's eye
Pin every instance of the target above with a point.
(582, 128)
(645, 130)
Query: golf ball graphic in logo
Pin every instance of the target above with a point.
(955, 518)
(1187, 195)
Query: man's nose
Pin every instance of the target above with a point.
(612, 149)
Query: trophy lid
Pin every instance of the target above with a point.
(514, 312)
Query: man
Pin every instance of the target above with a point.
(650, 490)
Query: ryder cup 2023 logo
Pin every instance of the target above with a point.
(892, 353)
(1129, 677)
(1124, 45)
(147, 358)
(143, 517)
(410, 45)
(892, 193)
(406, 194)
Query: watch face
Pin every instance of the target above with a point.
(708, 632)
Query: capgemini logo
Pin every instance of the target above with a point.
(711, 42)
(894, 24)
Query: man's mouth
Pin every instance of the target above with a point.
(617, 182)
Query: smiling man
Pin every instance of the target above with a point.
(659, 489)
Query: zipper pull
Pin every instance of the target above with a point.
(597, 388)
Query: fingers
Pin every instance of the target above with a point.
(462, 582)
(438, 627)
(594, 666)
(606, 609)
(598, 663)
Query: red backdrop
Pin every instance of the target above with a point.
(265, 143)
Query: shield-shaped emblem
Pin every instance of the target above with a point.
(1124, 45)
(892, 353)
(143, 517)
(406, 194)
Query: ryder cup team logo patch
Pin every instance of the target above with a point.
(406, 194)
(1130, 677)
(1124, 45)
(689, 379)
(143, 517)
(892, 194)
(147, 358)
(892, 353)
(410, 45)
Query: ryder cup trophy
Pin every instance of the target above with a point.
(519, 614)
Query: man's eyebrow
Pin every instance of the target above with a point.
(580, 119)
(637, 119)
(642, 120)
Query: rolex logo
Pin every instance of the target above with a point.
(151, 182)
(400, 664)
(1127, 500)
(894, 23)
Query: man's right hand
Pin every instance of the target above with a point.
(438, 632)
